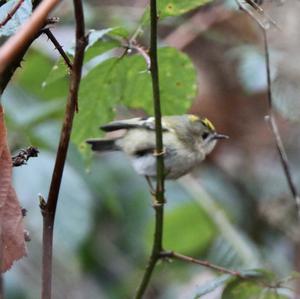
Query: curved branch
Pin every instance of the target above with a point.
(273, 125)
(271, 117)
(15, 44)
(49, 208)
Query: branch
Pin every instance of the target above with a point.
(14, 46)
(273, 125)
(274, 128)
(159, 152)
(271, 117)
(178, 256)
(49, 208)
(257, 13)
(23, 156)
(11, 13)
(58, 47)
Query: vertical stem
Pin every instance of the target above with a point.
(49, 209)
(159, 193)
(156, 102)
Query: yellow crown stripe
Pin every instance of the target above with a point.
(193, 117)
(208, 124)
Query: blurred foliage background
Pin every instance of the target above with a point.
(235, 211)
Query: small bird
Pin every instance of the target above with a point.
(187, 139)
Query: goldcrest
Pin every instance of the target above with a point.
(187, 139)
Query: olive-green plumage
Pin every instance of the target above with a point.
(187, 140)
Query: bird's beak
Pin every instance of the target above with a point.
(219, 136)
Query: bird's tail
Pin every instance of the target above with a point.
(102, 145)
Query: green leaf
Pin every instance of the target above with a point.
(101, 41)
(187, 229)
(99, 48)
(177, 77)
(126, 81)
(59, 71)
(226, 278)
(168, 8)
(95, 102)
(36, 69)
(20, 16)
(251, 289)
(178, 7)
(212, 285)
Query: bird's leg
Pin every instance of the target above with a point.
(155, 203)
(152, 191)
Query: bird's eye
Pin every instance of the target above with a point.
(205, 135)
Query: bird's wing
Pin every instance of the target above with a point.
(147, 123)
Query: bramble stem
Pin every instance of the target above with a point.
(49, 209)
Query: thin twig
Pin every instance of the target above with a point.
(23, 156)
(49, 209)
(11, 13)
(159, 192)
(272, 120)
(175, 255)
(14, 46)
(58, 47)
(274, 128)
(266, 21)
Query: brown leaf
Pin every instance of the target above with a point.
(12, 243)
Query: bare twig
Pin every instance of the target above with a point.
(49, 208)
(15, 44)
(178, 256)
(273, 124)
(11, 13)
(159, 192)
(284, 159)
(58, 47)
(22, 157)
(258, 14)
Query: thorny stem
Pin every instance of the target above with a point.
(48, 210)
(11, 13)
(58, 47)
(159, 192)
(14, 46)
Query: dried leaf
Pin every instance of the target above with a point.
(12, 243)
